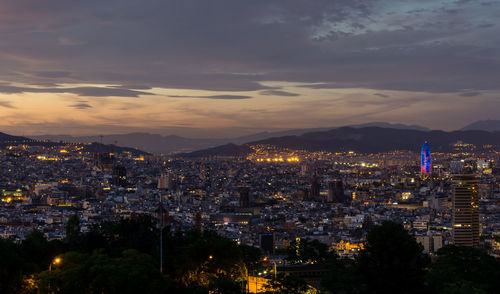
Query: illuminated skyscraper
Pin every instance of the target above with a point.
(465, 211)
(425, 165)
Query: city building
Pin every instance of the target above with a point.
(315, 189)
(120, 176)
(244, 197)
(465, 210)
(266, 242)
(336, 191)
(426, 164)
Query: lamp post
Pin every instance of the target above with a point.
(56, 261)
(161, 234)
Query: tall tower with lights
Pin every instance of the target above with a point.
(426, 164)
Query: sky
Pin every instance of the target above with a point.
(233, 67)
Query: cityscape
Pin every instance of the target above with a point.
(269, 199)
(260, 146)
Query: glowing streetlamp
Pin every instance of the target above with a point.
(56, 261)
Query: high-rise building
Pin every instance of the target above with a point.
(336, 191)
(166, 181)
(266, 242)
(120, 176)
(103, 161)
(305, 170)
(244, 197)
(465, 210)
(162, 181)
(204, 172)
(198, 221)
(425, 164)
(315, 189)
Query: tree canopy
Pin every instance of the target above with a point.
(123, 257)
(464, 269)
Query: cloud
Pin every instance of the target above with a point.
(80, 91)
(52, 74)
(239, 46)
(132, 87)
(105, 92)
(6, 104)
(224, 97)
(470, 94)
(278, 93)
(328, 41)
(381, 95)
(81, 106)
(69, 42)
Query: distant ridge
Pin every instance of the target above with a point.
(390, 126)
(483, 125)
(369, 140)
(171, 144)
(152, 143)
(224, 150)
(6, 140)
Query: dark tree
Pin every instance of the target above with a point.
(392, 262)
(139, 233)
(73, 233)
(11, 268)
(133, 272)
(225, 286)
(287, 284)
(197, 257)
(304, 250)
(36, 251)
(340, 277)
(252, 257)
(463, 268)
(462, 287)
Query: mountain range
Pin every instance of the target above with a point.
(6, 140)
(483, 125)
(364, 140)
(171, 144)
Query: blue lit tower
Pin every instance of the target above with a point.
(425, 165)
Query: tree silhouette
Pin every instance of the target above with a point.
(287, 284)
(305, 250)
(132, 272)
(392, 262)
(463, 268)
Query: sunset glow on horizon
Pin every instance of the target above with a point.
(234, 67)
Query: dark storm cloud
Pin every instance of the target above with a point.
(80, 91)
(232, 45)
(278, 93)
(224, 97)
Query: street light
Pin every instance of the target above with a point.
(56, 261)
